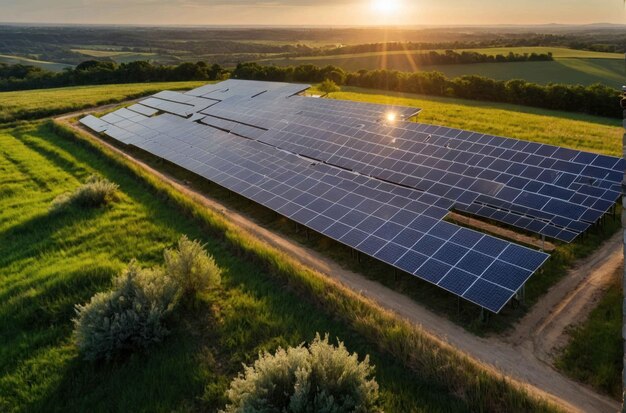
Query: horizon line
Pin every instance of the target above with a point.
(348, 26)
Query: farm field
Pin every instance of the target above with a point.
(14, 60)
(120, 56)
(46, 102)
(569, 66)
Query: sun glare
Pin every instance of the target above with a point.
(386, 6)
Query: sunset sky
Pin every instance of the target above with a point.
(313, 12)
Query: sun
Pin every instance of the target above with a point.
(386, 6)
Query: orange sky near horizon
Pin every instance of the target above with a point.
(311, 12)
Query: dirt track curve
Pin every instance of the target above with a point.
(513, 355)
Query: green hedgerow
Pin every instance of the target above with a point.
(191, 267)
(95, 192)
(318, 378)
(130, 316)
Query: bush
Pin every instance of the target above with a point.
(130, 316)
(318, 378)
(191, 268)
(328, 86)
(95, 192)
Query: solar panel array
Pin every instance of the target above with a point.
(381, 188)
(552, 191)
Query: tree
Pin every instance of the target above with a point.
(318, 378)
(328, 87)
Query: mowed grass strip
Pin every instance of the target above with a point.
(34, 104)
(576, 131)
(49, 262)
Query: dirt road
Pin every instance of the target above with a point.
(543, 330)
(517, 361)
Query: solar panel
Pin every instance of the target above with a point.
(382, 188)
(95, 124)
(144, 110)
(443, 164)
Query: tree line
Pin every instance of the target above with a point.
(429, 49)
(596, 99)
(21, 77)
(451, 57)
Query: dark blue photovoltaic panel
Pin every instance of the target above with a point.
(403, 178)
(496, 165)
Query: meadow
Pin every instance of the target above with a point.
(569, 66)
(578, 131)
(37, 104)
(50, 262)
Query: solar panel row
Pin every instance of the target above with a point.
(558, 197)
(397, 225)
(383, 188)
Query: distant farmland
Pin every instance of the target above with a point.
(15, 60)
(569, 66)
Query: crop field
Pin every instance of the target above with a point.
(569, 66)
(46, 102)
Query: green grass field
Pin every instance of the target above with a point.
(578, 131)
(54, 262)
(33, 104)
(570, 66)
(15, 60)
(594, 354)
(51, 262)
